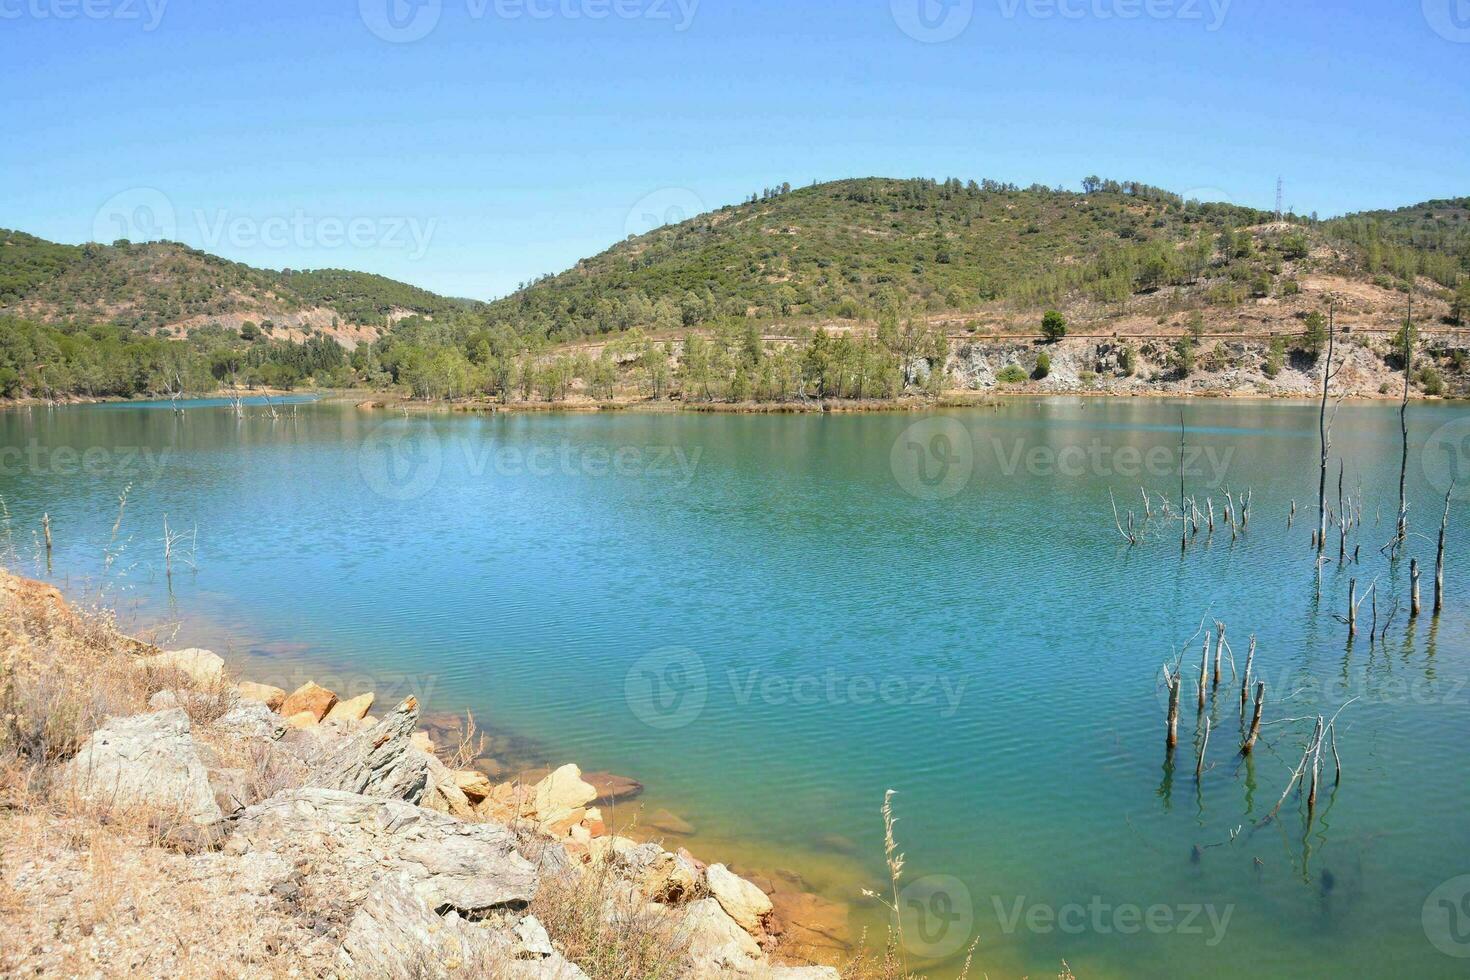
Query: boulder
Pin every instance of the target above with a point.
(742, 901)
(561, 792)
(475, 785)
(473, 868)
(308, 698)
(423, 742)
(381, 761)
(442, 792)
(147, 761)
(612, 788)
(396, 934)
(251, 720)
(202, 667)
(717, 946)
(302, 720)
(671, 879)
(271, 697)
(353, 709)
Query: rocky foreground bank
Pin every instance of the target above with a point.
(160, 818)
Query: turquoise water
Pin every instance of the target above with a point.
(772, 620)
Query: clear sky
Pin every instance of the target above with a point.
(468, 145)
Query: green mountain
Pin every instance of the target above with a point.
(165, 285)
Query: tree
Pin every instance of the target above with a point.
(1461, 309)
(1053, 326)
(1316, 334)
(1197, 326)
(1184, 356)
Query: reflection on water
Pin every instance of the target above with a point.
(770, 621)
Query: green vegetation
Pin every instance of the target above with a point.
(1184, 356)
(1043, 366)
(1430, 239)
(1275, 358)
(1011, 374)
(1053, 326)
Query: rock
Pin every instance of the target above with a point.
(308, 698)
(145, 760)
(379, 762)
(302, 720)
(671, 879)
(442, 792)
(717, 946)
(800, 973)
(423, 742)
(353, 709)
(612, 788)
(473, 784)
(473, 868)
(669, 823)
(231, 790)
(271, 697)
(561, 792)
(744, 902)
(533, 937)
(202, 667)
(395, 933)
(251, 720)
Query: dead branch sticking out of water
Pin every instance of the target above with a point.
(1444, 526)
(1255, 730)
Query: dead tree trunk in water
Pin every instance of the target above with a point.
(1183, 516)
(1255, 729)
(1444, 526)
(1245, 679)
(1352, 617)
(1204, 671)
(1414, 605)
(1172, 739)
(1408, 353)
(1199, 767)
(1324, 436)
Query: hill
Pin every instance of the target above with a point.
(170, 289)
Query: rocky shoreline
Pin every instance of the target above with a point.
(336, 842)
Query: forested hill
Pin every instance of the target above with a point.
(850, 248)
(165, 286)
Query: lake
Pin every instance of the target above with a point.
(772, 620)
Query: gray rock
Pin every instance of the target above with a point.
(252, 720)
(147, 761)
(395, 933)
(717, 946)
(354, 840)
(379, 762)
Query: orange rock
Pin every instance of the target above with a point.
(353, 709)
(308, 698)
(302, 719)
(271, 697)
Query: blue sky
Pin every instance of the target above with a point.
(515, 136)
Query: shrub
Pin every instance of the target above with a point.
(1184, 356)
(1430, 381)
(1043, 366)
(1127, 361)
(1275, 358)
(1011, 374)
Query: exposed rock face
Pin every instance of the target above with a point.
(202, 667)
(146, 760)
(396, 934)
(251, 720)
(308, 699)
(380, 762)
(449, 864)
(562, 792)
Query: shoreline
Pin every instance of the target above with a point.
(816, 891)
